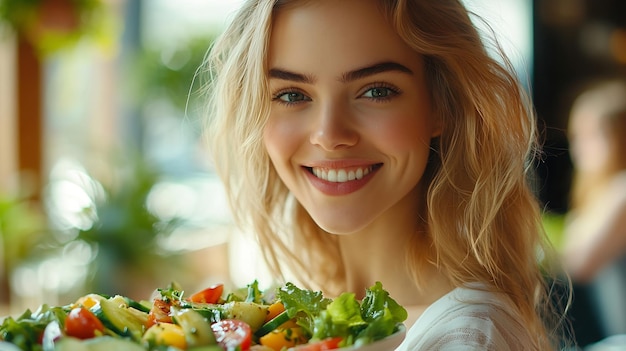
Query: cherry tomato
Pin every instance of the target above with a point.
(211, 294)
(323, 345)
(231, 333)
(82, 323)
(159, 313)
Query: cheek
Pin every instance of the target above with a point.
(409, 122)
(280, 138)
(405, 132)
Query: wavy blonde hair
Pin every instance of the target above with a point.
(483, 220)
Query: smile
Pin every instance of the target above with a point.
(342, 175)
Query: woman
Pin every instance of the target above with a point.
(594, 251)
(371, 140)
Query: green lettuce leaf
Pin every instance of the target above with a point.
(25, 330)
(376, 317)
(305, 305)
(376, 303)
(254, 293)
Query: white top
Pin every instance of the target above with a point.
(467, 319)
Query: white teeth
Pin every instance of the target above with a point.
(351, 175)
(341, 175)
(332, 175)
(360, 173)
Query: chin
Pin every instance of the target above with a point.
(340, 226)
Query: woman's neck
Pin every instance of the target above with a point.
(379, 253)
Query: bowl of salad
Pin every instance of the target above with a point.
(285, 318)
(390, 342)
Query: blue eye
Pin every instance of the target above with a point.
(290, 97)
(378, 93)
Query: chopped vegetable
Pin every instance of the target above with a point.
(287, 335)
(232, 334)
(323, 345)
(159, 313)
(197, 328)
(211, 294)
(83, 324)
(274, 323)
(274, 310)
(165, 334)
(303, 304)
(285, 318)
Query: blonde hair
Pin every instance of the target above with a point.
(483, 220)
(606, 99)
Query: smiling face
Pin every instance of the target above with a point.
(350, 122)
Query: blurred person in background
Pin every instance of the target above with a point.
(594, 249)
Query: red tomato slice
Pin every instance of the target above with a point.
(82, 323)
(211, 294)
(326, 344)
(230, 333)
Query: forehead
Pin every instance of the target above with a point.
(340, 34)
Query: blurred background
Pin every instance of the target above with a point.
(104, 184)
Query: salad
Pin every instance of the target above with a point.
(285, 318)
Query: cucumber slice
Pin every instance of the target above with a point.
(146, 306)
(196, 327)
(211, 314)
(70, 344)
(107, 343)
(272, 324)
(119, 318)
(137, 305)
(252, 313)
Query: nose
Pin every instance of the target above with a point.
(334, 128)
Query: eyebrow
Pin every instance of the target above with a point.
(291, 76)
(388, 66)
(381, 67)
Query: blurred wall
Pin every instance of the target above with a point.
(7, 111)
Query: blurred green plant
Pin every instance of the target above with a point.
(51, 25)
(23, 226)
(125, 234)
(173, 74)
(112, 221)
